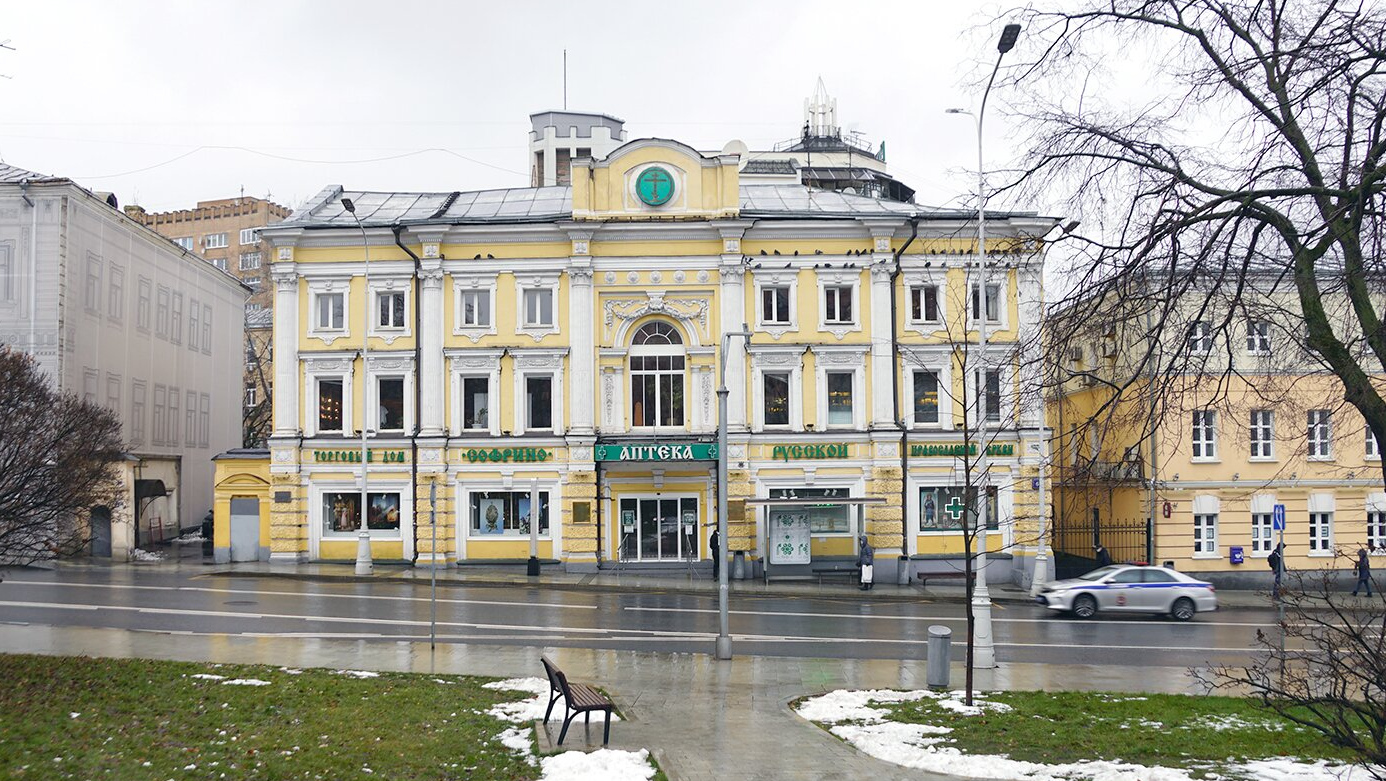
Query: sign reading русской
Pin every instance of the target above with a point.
(693, 452)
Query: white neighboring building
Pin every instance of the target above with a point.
(117, 313)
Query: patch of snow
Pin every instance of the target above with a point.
(245, 682)
(191, 537)
(290, 671)
(357, 673)
(208, 676)
(73, 714)
(601, 765)
(139, 554)
(927, 747)
(1224, 723)
(977, 708)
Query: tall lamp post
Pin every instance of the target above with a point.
(723, 616)
(364, 565)
(984, 647)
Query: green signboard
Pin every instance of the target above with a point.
(506, 455)
(694, 452)
(960, 450)
(804, 452)
(354, 456)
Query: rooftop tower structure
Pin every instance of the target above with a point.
(556, 138)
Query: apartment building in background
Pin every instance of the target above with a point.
(114, 313)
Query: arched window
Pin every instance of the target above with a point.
(656, 376)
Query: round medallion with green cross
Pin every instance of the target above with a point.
(654, 186)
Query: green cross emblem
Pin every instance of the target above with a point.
(655, 186)
(954, 507)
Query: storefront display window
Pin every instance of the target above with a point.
(341, 512)
(506, 512)
(941, 508)
(823, 518)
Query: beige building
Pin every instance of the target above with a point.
(226, 233)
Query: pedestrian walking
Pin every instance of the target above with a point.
(715, 542)
(1276, 560)
(1104, 559)
(1363, 568)
(867, 561)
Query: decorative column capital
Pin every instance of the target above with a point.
(432, 278)
(285, 279)
(580, 275)
(880, 272)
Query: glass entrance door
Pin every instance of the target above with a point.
(659, 528)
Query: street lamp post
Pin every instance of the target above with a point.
(364, 565)
(984, 648)
(723, 616)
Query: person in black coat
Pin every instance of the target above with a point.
(867, 561)
(1276, 560)
(1103, 557)
(1363, 568)
(715, 542)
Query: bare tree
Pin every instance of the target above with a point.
(257, 417)
(1240, 176)
(1323, 668)
(57, 457)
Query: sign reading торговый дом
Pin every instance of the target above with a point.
(354, 456)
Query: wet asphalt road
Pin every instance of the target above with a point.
(834, 627)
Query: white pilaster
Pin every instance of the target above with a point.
(431, 348)
(583, 356)
(286, 386)
(882, 358)
(734, 314)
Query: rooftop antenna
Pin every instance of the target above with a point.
(5, 44)
(565, 79)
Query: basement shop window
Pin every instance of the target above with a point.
(329, 406)
(822, 518)
(539, 403)
(341, 512)
(776, 398)
(924, 304)
(506, 512)
(941, 508)
(390, 398)
(476, 394)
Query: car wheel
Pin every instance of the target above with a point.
(1084, 606)
(1183, 609)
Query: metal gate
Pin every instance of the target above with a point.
(101, 532)
(1126, 541)
(245, 529)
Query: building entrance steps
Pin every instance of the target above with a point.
(702, 719)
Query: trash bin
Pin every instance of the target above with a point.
(738, 570)
(902, 571)
(939, 657)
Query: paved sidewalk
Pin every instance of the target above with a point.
(668, 581)
(702, 719)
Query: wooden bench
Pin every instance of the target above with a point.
(577, 698)
(851, 572)
(925, 577)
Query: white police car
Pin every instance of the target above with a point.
(1125, 588)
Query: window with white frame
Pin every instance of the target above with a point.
(474, 308)
(1376, 530)
(186, 242)
(503, 513)
(1262, 530)
(924, 304)
(214, 241)
(330, 410)
(206, 329)
(331, 311)
(249, 395)
(161, 313)
(840, 392)
(657, 376)
(93, 290)
(250, 236)
(775, 305)
(194, 318)
(389, 310)
(137, 399)
(115, 304)
(159, 435)
(249, 261)
(1205, 435)
(987, 386)
(204, 420)
(776, 398)
(926, 396)
(837, 305)
(1320, 532)
(175, 322)
(1258, 337)
(1320, 433)
(144, 305)
(173, 396)
(538, 402)
(1200, 337)
(1205, 534)
(1262, 433)
(993, 303)
(389, 401)
(190, 419)
(1373, 447)
(538, 307)
(476, 403)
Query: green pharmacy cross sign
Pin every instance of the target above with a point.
(655, 186)
(954, 508)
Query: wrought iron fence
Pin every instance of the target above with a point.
(1074, 544)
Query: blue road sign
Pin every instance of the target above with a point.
(1278, 517)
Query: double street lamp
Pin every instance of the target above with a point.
(364, 565)
(984, 648)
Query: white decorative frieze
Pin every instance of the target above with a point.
(703, 276)
(327, 364)
(538, 359)
(682, 309)
(656, 277)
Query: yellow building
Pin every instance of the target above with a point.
(1223, 414)
(560, 346)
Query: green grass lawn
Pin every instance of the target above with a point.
(79, 718)
(1156, 729)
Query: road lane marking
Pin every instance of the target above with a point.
(958, 619)
(315, 594)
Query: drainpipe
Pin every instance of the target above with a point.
(902, 572)
(418, 391)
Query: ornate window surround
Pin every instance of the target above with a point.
(938, 278)
(474, 363)
(318, 286)
(777, 359)
(850, 278)
(939, 360)
(841, 358)
(386, 366)
(537, 362)
(392, 283)
(536, 280)
(763, 278)
(484, 282)
(329, 366)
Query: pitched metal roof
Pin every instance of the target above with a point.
(10, 174)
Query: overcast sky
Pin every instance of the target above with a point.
(168, 103)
